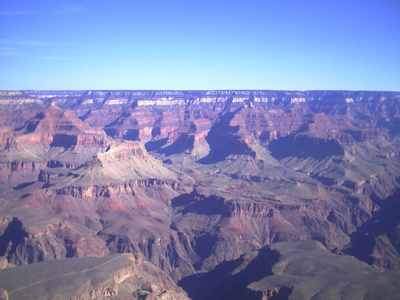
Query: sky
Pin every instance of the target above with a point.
(200, 44)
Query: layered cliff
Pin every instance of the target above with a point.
(189, 179)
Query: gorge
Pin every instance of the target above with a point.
(193, 188)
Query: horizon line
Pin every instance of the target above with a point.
(198, 90)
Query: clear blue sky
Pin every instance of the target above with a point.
(200, 44)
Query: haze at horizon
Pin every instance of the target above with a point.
(200, 45)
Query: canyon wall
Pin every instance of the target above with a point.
(189, 179)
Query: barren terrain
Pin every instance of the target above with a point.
(187, 180)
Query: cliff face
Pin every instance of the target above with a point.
(56, 127)
(190, 179)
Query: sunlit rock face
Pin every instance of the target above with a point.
(189, 179)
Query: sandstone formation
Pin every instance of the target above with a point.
(189, 179)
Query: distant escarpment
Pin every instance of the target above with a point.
(189, 179)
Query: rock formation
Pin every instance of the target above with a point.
(109, 277)
(189, 179)
(302, 271)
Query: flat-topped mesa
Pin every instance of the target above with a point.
(124, 151)
(130, 160)
(120, 164)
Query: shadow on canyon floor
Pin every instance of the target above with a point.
(229, 280)
(379, 235)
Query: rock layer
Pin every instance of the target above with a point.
(189, 179)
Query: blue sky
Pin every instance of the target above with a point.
(200, 44)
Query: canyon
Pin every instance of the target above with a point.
(181, 186)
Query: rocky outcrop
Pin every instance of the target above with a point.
(124, 151)
(89, 278)
(3, 294)
(24, 244)
(57, 128)
(3, 262)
